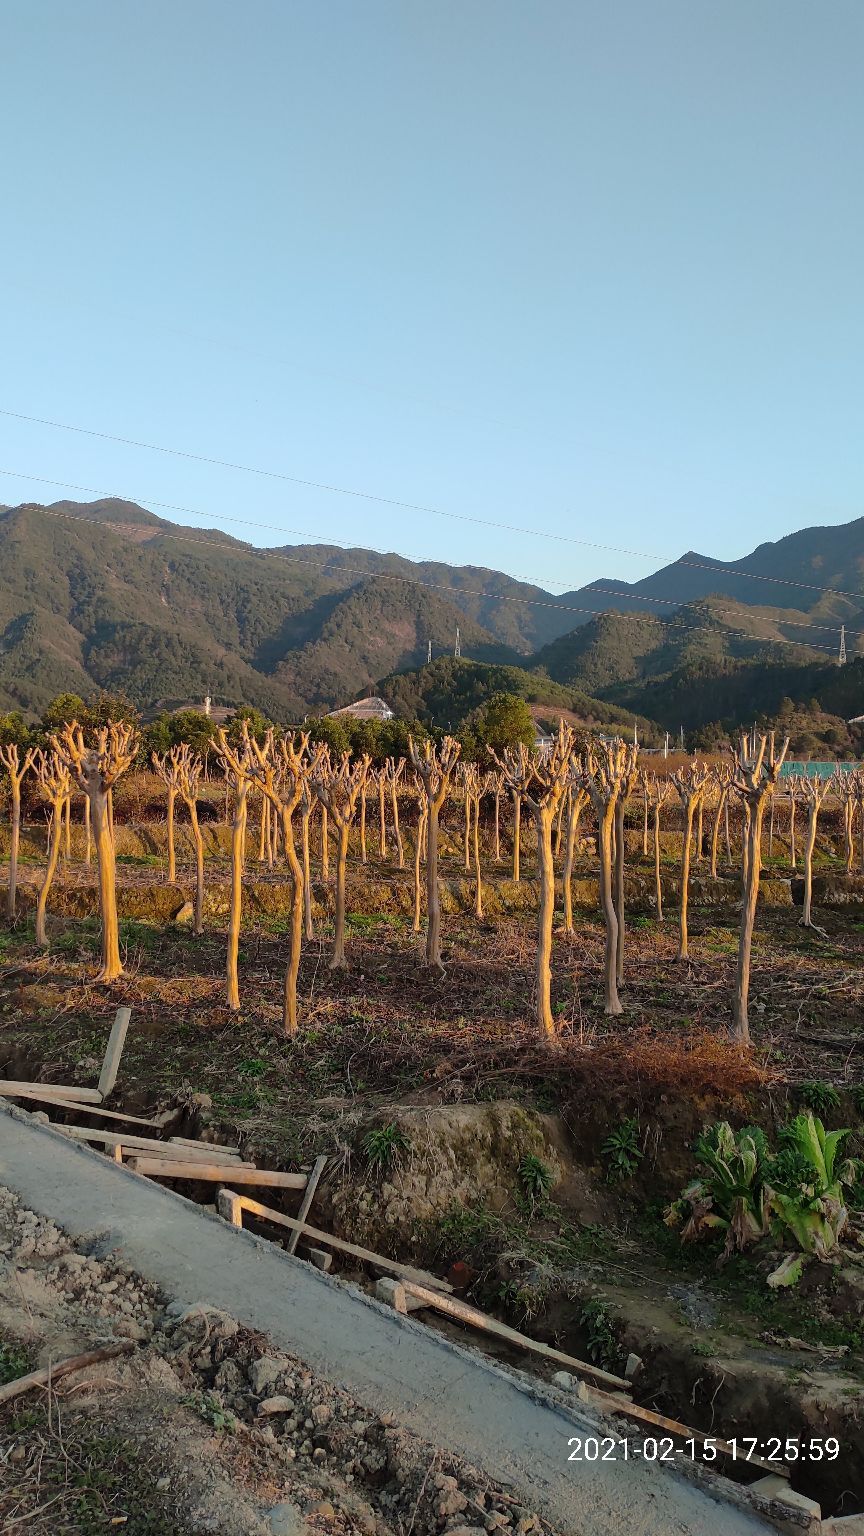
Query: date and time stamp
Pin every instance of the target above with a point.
(775, 1450)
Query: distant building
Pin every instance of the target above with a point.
(218, 713)
(366, 709)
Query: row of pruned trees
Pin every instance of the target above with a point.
(291, 775)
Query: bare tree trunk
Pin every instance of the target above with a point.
(382, 838)
(238, 841)
(498, 826)
(605, 820)
(307, 870)
(809, 845)
(88, 835)
(198, 840)
(715, 833)
(727, 837)
(433, 895)
(418, 852)
(658, 883)
(569, 859)
(172, 859)
(689, 811)
(325, 845)
(740, 1014)
(618, 824)
(700, 852)
(67, 826)
(100, 810)
(645, 827)
(394, 805)
(559, 822)
(337, 958)
(771, 832)
(15, 842)
(54, 837)
(362, 825)
(517, 834)
(792, 849)
(543, 815)
(478, 887)
(263, 829)
(292, 969)
(466, 835)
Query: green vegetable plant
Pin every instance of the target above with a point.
(536, 1179)
(382, 1145)
(730, 1195)
(818, 1096)
(809, 1178)
(621, 1151)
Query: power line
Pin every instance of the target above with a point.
(272, 554)
(250, 522)
(410, 506)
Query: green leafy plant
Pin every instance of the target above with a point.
(535, 1178)
(730, 1195)
(14, 1361)
(809, 1177)
(211, 1409)
(382, 1145)
(818, 1096)
(621, 1151)
(602, 1340)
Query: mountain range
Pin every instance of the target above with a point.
(105, 594)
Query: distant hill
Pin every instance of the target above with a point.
(107, 594)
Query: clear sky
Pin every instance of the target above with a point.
(594, 269)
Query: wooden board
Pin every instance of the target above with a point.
(161, 1168)
(147, 1144)
(214, 1146)
(114, 1050)
(337, 1243)
(481, 1320)
(12, 1089)
(40, 1096)
(306, 1202)
(615, 1404)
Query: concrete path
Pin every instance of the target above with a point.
(449, 1395)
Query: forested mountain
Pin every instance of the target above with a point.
(107, 594)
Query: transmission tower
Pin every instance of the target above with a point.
(429, 652)
(458, 651)
(842, 659)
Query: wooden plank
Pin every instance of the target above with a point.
(615, 1404)
(338, 1243)
(146, 1144)
(216, 1172)
(51, 1373)
(62, 1102)
(476, 1319)
(214, 1146)
(12, 1088)
(114, 1050)
(305, 1204)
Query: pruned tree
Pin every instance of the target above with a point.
(657, 792)
(541, 784)
(846, 792)
(691, 783)
(434, 767)
(795, 789)
(283, 769)
(496, 784)
(306, 803)
(419, 845)
(165, 768)
(55, 787)
(474, 786)
(754, 779)
(721, 784)
(628, 784)
(189, 768)
(517, 836)
(812, 792)
(393, 773)
(96, 769)
(237, 764)
(578, 798)
(17, 767)
(605, 771)
(338, 788)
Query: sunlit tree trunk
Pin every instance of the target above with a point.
(238, 840)
(574, 815)
(394, 806)
(543, 817)
(198, 840)
(363, 855)
(658, 883)
(497, 854)
(325, 845)
(54, 836)
(292, 969)
(517, 834)
(88, 835)
(172, 858)
(307, 869)
(418, 853)
(382, 825)
(605, 849)
(689, 811)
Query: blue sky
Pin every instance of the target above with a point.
(590, 269)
